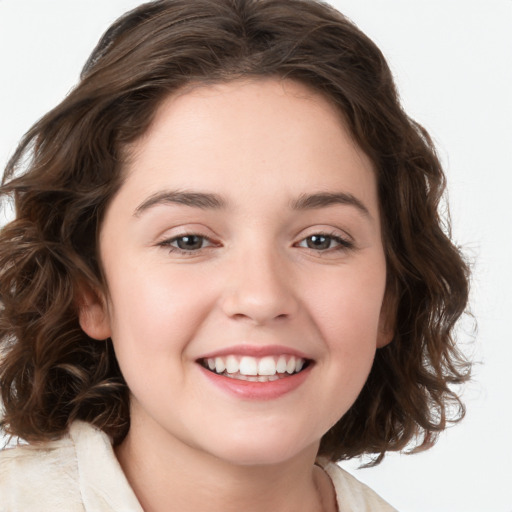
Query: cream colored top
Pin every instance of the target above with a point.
(80, 473)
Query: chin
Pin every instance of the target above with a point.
(264, 449)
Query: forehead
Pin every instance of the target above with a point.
(244, 136)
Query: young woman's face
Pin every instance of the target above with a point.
(244, 244)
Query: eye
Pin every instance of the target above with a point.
(187, 243)
(325, 242)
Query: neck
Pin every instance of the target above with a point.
(166, 474)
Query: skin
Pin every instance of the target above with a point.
(256, 281)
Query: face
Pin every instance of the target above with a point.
(245, 272)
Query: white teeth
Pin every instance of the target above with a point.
(290, 367)
(255, 369)
(248, 366)
(281, 365)
(232, 365)
(219, 365)
(267, 366)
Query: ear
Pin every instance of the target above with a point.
(93, 314)
(387, 319)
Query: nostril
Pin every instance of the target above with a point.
(259, 317)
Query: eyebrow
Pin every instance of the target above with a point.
(202, 200)
(324, 199)
(209, 201)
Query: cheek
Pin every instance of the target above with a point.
(347, 313)
(348, 319)
(151, 330)
(154, 314)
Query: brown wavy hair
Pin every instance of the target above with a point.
(70, 164)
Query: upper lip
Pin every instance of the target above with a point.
(255, 351)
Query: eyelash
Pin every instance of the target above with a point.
(168, 243)
(343, 243)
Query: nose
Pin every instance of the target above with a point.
(259, 289)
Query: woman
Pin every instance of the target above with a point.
(227, 258)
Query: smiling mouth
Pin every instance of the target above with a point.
(255, 369)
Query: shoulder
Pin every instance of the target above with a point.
(78, 472)
(46, 474)
(352, 495)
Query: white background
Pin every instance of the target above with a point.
(453, 63)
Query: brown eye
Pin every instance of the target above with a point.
(189, 242)
(323, 242)
(318, 242)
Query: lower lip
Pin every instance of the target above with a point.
(258, 390)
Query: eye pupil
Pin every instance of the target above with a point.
(318, 242)
(189, 242)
